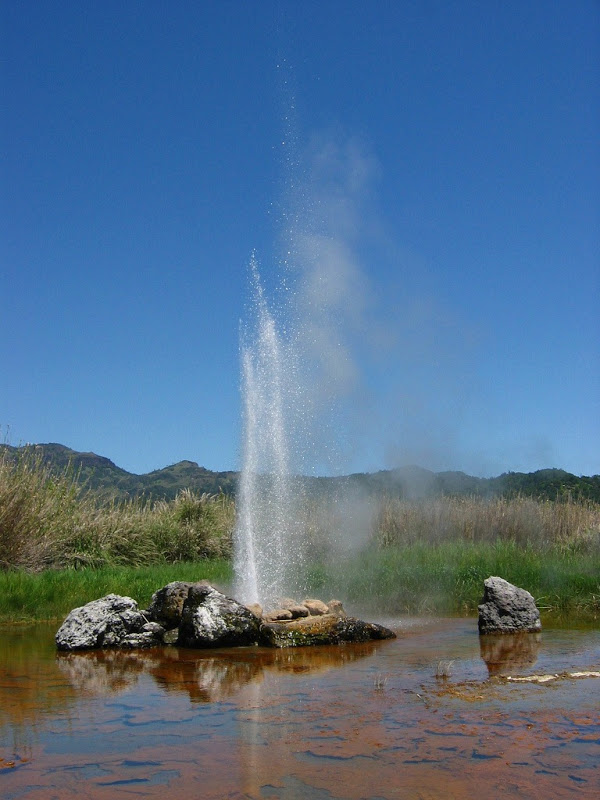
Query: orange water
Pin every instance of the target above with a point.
(356, 721)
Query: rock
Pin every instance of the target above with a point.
(507, 609)
(210, 619)
(166, 605)
(336, 607)
(111, 621)
(297, 611)
(278, 614)
(256, 609)
(286, 602)
(322, 629)
(316, 608)
(171, 636)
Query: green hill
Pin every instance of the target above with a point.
(103, 476)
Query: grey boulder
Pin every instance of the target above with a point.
(507, 609)
(166, 606)
(210, 619)
(111, 621)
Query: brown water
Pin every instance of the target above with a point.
(355, 721)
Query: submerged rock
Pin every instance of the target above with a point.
(111, 621)
(321, 629)
(507, 609)
(210, 619)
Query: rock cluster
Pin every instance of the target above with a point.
(288, 609)
(507, 609)
(198, 615)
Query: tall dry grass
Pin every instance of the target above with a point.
(569, 526)
(49, 521)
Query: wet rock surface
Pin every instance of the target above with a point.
(111, 621)
(321, 629)
(507, 609)
(197, 615)
(210, 619)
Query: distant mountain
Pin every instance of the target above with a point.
(101, 475)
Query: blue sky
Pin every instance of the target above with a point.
(448, 152)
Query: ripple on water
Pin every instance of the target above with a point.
(262, 724)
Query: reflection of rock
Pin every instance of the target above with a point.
(103, 671)
(206, 676)
(210, 619)
(111, 621)
(507, 609)
(324, 629)
(509, 652)
(205, 679)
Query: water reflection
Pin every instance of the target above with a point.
(205, 676)
(509, 653)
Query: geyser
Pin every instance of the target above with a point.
(299, 377)
(268, 552)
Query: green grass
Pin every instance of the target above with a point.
(415, 580)
(50, 595)
(447, 578)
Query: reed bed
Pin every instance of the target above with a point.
(50, 522)
(566, 525)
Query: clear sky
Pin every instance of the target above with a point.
(448, 152)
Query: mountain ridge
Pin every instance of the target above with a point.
(109, 481)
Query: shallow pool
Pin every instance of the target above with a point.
(428, 715)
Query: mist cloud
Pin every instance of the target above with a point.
(383, 371)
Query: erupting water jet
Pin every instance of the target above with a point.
(268, 554)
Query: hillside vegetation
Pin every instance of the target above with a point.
(109, 481)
